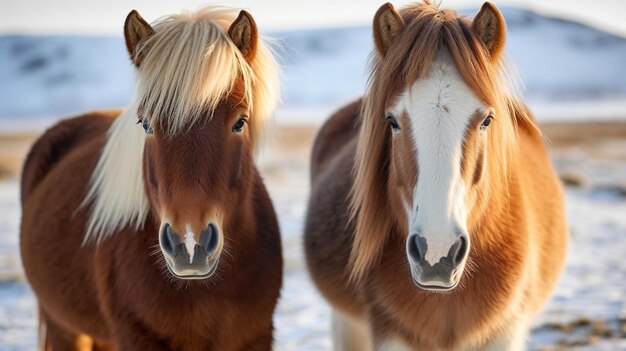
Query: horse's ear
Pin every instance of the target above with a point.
(243, 33)
(490, 28)
(387, 25)
(136, 30)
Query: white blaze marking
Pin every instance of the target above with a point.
(439, 107)
(190, 243)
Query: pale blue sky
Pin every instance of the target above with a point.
(106, 17)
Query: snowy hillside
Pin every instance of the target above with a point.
(48, 76)
(558, 60)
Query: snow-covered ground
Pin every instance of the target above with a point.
(587, 311)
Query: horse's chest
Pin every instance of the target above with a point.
(430, 320)
(425, 327)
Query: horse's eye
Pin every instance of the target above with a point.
(238, 127)
(393, 122)
(146, 126)
(486, 122)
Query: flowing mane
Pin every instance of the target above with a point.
(189, 65)
(428, 31)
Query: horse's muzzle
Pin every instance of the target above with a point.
(442, 275)
(186, 258)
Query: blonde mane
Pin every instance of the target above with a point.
(428, 30)
(190, 66)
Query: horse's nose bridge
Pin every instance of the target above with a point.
(191, 213)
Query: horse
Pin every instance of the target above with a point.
(435, 220)
(150, 228)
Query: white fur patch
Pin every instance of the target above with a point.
(439, 107)
(190, 242)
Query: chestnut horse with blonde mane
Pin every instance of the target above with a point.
(436, 221)
(150, 228)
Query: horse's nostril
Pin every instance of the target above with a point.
(209, 238)
(417, 248)
(461, 250)
(169, 240)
